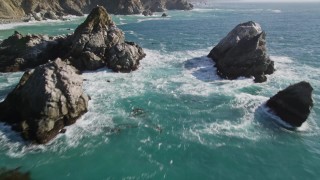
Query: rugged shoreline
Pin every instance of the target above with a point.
(26, 10)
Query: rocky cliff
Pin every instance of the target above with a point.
(36, 9)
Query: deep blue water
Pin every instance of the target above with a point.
(210, 128)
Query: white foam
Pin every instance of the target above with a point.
(153, 19)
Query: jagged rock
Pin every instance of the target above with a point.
(45, 100)
(147, 13)
(100, 36)
(293, 104)
(20, 52)
(243, 52)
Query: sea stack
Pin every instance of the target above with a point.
(293, 104)
(46, 99)
(243, 52)
(98, 41)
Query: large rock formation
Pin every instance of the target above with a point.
(98, 41)
(20, 52)
(243, 52)
(293, 104)
(45, 100)
(52, 9)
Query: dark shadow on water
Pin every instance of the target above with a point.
(271, 121)
(202, 68)
(11, 135)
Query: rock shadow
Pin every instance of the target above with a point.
(271, 121)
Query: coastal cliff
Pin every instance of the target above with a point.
(52, 9)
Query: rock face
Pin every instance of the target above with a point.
(243, 52)
(20, 52)
(293, 104)
(98, 41)
(11, 9)
(46, 99)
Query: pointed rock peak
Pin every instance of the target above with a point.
(98, 17)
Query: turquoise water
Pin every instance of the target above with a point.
(177, 118)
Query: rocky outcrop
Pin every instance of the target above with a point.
(45, 100)
(243, 52)
(293, 104)
(96, 43)
(20, 52)
(106, 44)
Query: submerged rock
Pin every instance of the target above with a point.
(164, 15)
(243, 52)
(106, 44)
(45, 100)
(13, 174)
(293, 104)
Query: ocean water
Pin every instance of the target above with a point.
(174, 118)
